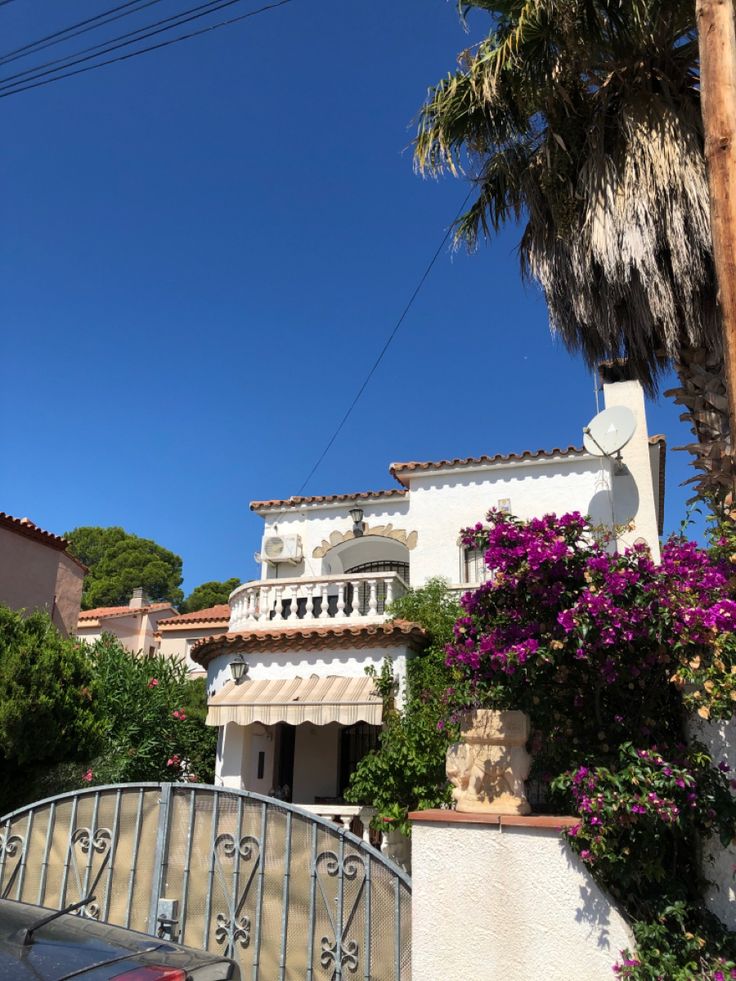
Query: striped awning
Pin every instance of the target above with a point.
(296, 700)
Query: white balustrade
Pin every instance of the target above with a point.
(345, 814)
(276, 603)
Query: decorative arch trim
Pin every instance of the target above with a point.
(409, 539)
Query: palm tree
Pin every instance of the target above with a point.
(582, 118)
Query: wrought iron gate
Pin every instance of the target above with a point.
(286, 893)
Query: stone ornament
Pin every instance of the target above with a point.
(381, 531)
(488, 767)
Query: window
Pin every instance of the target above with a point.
(474, 567)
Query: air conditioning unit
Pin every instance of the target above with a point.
(285, 549)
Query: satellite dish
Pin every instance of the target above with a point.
(608, 432)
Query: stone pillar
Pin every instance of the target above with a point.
(497, 896)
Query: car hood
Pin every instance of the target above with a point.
(76, 946)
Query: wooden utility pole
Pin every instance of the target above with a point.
(717, 42)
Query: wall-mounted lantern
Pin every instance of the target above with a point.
(238, 668)
(356, 515)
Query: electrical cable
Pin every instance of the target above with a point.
(386, 346)
(70, 58)
(61, 40)
(15, 90)
(114, 44)
(17, 52)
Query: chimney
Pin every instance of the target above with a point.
(635, 492)
(138, 599)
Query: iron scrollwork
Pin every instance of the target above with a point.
(90, 843)
(234, 926)
(340, 952)
(9, 848)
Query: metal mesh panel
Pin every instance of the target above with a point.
(288, 895)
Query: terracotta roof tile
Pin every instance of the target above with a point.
(105, 612)
(25, 527)
(397, 470)
(660, 441)
(295, 502)
(389, 633)
(212, 614)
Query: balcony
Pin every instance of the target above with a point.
(348, 598)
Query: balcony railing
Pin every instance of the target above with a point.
(285, 602)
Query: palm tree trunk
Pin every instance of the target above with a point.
(717, 45)
(703, 395)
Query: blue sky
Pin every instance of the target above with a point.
(205, 248)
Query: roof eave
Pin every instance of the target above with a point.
(389, 634)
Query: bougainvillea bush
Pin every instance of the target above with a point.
(609, 653)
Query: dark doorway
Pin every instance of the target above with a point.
(285, 767)
(355, 742)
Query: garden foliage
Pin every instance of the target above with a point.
(208, 594)
(153, 719)
(407, 771)
(608, 654)
(47, 711)
(118, 562)
(73, 714)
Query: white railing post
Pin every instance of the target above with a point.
(324, 611)
(373, 598)
(263, 607)
(309, 611)
(356, 598)
(279, 592)
(341, 599)
(293, 612)
(389, 592)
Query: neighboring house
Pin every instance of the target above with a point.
(134, 625)
(178, 634)
(306, 712)
(37, 572)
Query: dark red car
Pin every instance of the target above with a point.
(50, 946)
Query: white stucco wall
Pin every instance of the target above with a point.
(178, 644)
(719, 863)
(348, 663)
(511, 903)
(443, 504)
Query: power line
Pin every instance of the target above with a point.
(386, 346)
(71, 59)
(4, 93)
(114, 44)
(38, 46)
(16, 53)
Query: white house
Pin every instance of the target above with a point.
(305, 712)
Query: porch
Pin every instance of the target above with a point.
(305, 764)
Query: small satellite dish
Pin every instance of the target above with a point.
(608, 432)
